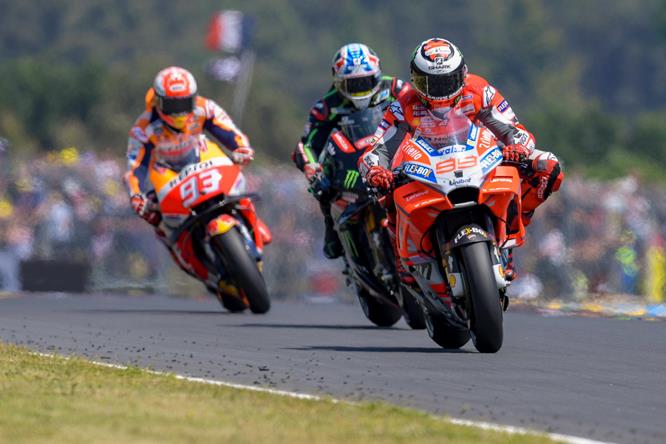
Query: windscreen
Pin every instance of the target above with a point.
(361, 124)
(450, 129)
(178, 161)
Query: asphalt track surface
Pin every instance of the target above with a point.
(601, 379)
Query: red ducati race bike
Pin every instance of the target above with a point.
(360, 223)
(206, 201)
(454, 200)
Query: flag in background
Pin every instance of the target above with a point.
(229, 31)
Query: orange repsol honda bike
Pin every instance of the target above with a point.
(454, 200)
(206, 200)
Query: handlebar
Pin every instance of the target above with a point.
(379, 195)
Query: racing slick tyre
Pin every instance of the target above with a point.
(380, 314)
(242, 269)
(232, 303)
(443, 333)
(412, 311)
(484, 309)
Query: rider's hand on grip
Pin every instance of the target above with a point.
(319, 185)
(311, 170)
(146, 207)
(516, 154)
(243, 155)
(379, 177)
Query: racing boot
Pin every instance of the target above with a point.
(510, 273)
(332, 244)
(403, 273)
(249, 213)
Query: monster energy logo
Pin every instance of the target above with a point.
(350, 179)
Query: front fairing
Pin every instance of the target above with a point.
(463, 157)
(343, 150)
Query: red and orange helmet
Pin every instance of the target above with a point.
(175, 93)
(438, 72)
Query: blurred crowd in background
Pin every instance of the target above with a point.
(591, 238)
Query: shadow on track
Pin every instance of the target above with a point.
(379, 349)
(152, 311)
(320, 326)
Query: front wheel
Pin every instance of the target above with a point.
(242, 269)
(484, 309)
(382, 314)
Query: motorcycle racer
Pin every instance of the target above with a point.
(168, 135)
(441, 81)
(358, 83)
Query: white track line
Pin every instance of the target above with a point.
(513, 430)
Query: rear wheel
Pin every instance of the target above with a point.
(484, 310)
(443, 333)
(242, 270)
(380, 313)
(413, 312)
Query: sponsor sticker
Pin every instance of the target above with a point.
(453, 149)
(470, 233)
(491, 159)
(422, 171)
(457, 182)
(413, 196)
(488, 95)
(396, 110)
(425, 145)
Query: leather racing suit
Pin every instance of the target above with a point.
(324, 117)
(153, 143)
(484, 105)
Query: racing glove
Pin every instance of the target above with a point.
(146, 206)
(379, 177)
(243, 155)
(516, 154)
(319, 183)
(312, 170)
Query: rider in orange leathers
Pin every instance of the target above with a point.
(166, 135)
(441, 82)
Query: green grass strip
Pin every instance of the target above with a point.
(61, 400)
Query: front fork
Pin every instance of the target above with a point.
(457, 282)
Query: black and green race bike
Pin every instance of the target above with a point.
(361, 224)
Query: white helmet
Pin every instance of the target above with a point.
(438, 71)
(356, 73)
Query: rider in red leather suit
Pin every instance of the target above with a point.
(441, 82)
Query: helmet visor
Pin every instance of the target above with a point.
(358, 86)
(176, 105)
(441, 86)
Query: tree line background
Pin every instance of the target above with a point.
(588, 78)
